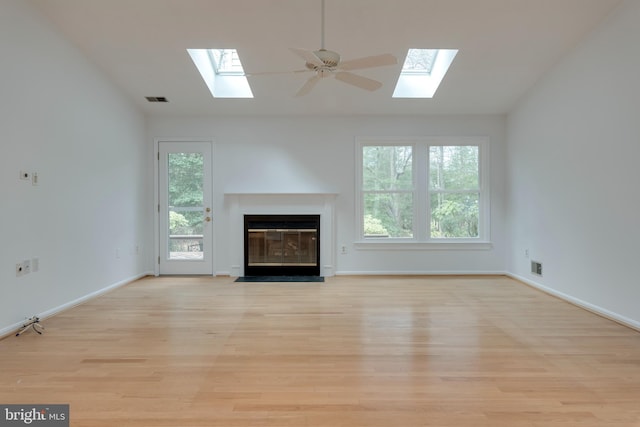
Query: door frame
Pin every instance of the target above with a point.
(156, 197)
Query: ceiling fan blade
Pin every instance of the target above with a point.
(308, 56)
(359, 81)
(309, 84)
(369, 62)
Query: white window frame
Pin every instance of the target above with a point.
(421, 196)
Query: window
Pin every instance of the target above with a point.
(226, 62)
(419, 61)
(423, 191)
(222, 71)
(422, 72)
(387, 187)
(454, 191)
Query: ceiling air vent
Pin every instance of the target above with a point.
(156, 99)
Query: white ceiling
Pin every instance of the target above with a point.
(505, 46)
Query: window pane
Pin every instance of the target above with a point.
(454, 215)
(185, 221)
(388, 215)
(185, 249)
(185, 233)
(185, 199)
(387, 167)
(186, 173)
(453, 167)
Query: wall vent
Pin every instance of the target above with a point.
(156, 99)
(536, 268)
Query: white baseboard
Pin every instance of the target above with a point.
(16, 326)
(579, 303)
(420, 273)
(8, 330)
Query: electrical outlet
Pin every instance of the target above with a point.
(34, 178)
(19, 269)
(526, 253)
(35, 264)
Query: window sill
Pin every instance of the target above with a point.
(402, 245)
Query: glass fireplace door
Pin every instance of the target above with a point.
(282, 245)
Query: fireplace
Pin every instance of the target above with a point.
(282, 245)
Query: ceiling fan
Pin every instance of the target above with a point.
(326, 63)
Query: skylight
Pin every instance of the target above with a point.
(222, 71)
(226, 61)
(422, 72)
(419, 61)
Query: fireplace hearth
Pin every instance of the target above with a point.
(282, 245)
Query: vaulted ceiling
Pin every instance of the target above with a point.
(505, 46)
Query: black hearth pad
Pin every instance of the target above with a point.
(280, 279)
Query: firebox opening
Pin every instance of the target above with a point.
(282, 245)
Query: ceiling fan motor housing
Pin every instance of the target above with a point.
(328, 57)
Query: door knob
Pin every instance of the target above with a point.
(208, 209)
(208, 219)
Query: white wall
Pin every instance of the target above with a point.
(573, 153)
(317, 155)
(61, 119)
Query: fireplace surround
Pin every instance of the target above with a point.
(243, 201)
(282, 245)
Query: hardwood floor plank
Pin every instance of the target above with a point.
(352, 351)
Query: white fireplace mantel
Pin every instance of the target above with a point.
(264, 203)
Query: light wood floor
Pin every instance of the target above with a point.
(353, 351)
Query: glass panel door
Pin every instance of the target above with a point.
(185, 208)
